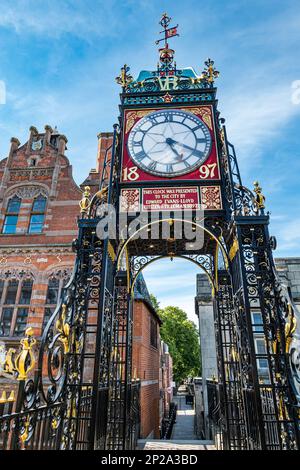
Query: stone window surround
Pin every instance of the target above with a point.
(20, 278)
(25, 191)
(62, 273)
(9, 213)
(62, 282)
(34, 212)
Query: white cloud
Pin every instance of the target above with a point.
(288, 233)
(186, 303)
(173, 283)
(53, 18)
(255, 117)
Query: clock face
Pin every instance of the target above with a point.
(37, 144)
(169, 143)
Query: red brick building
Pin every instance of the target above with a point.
(146, 359)
(39, 206)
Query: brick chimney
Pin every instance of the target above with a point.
(62, 142)
(48, 132)
(14, 145)
(105, 140)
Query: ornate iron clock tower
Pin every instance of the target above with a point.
(170, 167)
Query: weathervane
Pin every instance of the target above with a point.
(166, 55)
(169, 32)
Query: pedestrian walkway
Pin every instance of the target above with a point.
(156, 444)
(183, 437)
(183, 429)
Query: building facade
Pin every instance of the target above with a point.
(146, 355)
(39, 206)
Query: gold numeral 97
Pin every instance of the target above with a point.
(207, 171)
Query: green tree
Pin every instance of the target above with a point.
(182, 337)
(155, 302)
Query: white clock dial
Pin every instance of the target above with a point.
(169, 143)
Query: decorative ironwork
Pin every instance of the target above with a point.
(18, 365)
(85, 201)
(120, 367)
(260, 198)
(210, 73)
(167, 77)
(166, 55)
(124, 79)
(82, 395)
(232, 419)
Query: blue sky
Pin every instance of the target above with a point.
(58, 60)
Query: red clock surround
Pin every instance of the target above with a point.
(208, 171)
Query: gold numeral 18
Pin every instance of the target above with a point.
(130, 174)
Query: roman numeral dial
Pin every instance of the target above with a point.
(169, 143)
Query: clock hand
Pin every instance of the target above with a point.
(172, 142)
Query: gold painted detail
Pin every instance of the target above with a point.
(102, 194)
(111, 251)
(6, 399)
(124, 79)
(132, 116)
(54, 423)
(210, 73)
(290, 328)
(234, 354)
(25, 431)
(55, 419)
(85, 201)
(63, 327)
(25, 361)
(204, 112)
(260, 198)
(234, 249)
(275, 342)
(18, 365)
(283, 413)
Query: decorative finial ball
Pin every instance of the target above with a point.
(29, 331)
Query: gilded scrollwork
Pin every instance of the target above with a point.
(18, 365)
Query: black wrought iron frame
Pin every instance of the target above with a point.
(87, 398)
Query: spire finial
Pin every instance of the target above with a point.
(210, 73)
(260, 198)
(124, 79)
(166, 55)
(168, 32)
